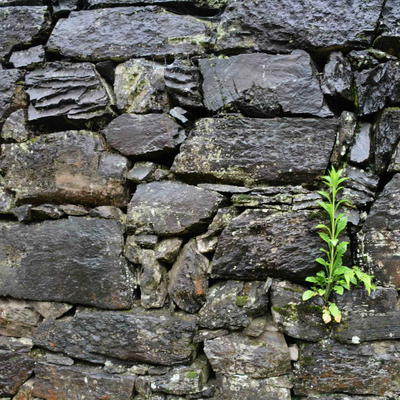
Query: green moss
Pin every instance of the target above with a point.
(241, 300)
(33, 140)
(354, 95)
(293, 290)
(192, 375)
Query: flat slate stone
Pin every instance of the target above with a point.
(262, 85)
(171, 208)
(252, 151)
(125, 32)
(153, 337)
(28, 58)
(211, 4)
(75, 260)
(278, 27)
(65, 167)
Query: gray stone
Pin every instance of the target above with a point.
(71, 209)
(236, 354)
(18, 318)
(108, 212)
(262, 85)
(74, 90)
(6, 199)
(153, 281)
(153, 337)
(23, 213)
(73, 382)
(62, 7)
(83, 267)
(207, 244)
(148, 136)
(102, 34)
(188, 279)
(362, 59)
(8, 87)
(344, 397)
(132, 250)
(394, 165)
(360, 150)
(142, 171)
(274, 26)
(366, 369)
(46, 211)
(50, 310)
(257, 327)
(171, 208)
(30, 58)
(224, 189)
(31, 22)
(259, 201)
(14, 127)
(16, 364)
(205, 334)
(344, 138)
(207, 4)
(146, 241)
(232, 304)
(107, 70)
(167, 250)
(216, 147)
(182, 116)
(62, 167)
(293, 316)
(140, 87)
(25, 391)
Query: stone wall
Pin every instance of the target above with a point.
(158, 209)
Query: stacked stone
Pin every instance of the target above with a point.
(158, 173)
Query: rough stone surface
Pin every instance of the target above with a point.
(370, 369)
(149, 136)
(50, 310)
(8, 86)
(188, 278)
(6, 199)
(31, 23)
(84, 265)
(71, 382)
(101, 34)
(28, 58)
(215, 149)
(389, 39)
(280, 27)
(14, 127)
(171, 208)
(232, 304)
(154, 337)
(65, 167)
(108, 212)
(237, 354)
(167, 250)
(344, 137)
(209, 4)
(360, 150)
(74, 90)
(261, 85)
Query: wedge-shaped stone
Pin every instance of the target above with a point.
(281, 26)
(262, 85)
(57, 382)
(237, 354)
(171, 208)
(366, 369)
(250, 151)
(75, 260)
(20, 25)
(209, 4)
(154, 337)
(125, 32)
(65, 167)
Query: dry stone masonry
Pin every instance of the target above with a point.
(159, 168)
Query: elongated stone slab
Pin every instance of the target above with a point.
(75, 260)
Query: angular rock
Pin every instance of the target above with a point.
(25, 391)
(344, 138)
(360, 150)
(232, 304)
(108, 212)
(84, 265)
(237, 354)
(260, 243)
(6, 199)
(394, 165)
(209, 4)
(132, 250)
(344, 397)
(16, 364)
(146, 241)
(257, 327)
(366, 369)
(8, 86)
(182, 81)
(64, 167)
(17, 318)
(50, 310)
(73, 90)
(71, 209)
(245, 388)
(206, 244)
(102, 34)
(182, 116)
(153, 281)
(140, 87)
(73, 382)
(249, 151)
(21, 25)
(362, 59)
(14, 127)
(205, 334)
(274, 26)
(107, 70)
(167, 250)
(261, 85)
(181, 380)
(62, 7)
(142, 171)
(153, 337)
(46, 211)
(188, 279)
(224, 189)
(171, 208)
(30, 58)
(293, 316)
(149, 136)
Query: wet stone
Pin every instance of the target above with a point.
(167, 250)
(8, 86)
(63, 7)
(232, 304)
(261, 85)
(344, 138)
(30, 58)
(360, 151)
(15, 128)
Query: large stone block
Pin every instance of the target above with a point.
(75, 260)
(125, 32)
(252, 151)
(65, 167)
(154, 337)
(262, 85)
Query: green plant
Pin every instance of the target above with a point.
(336, 276)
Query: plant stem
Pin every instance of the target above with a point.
(333, 248)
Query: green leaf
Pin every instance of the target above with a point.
(321, 261)
(325, 206)
(312, 279)
(326, 315)
(325, 237)
(336, 314)
(341, 248)
(341, 224)
(322, 226)
(338, 289)
(334, 242)
(325, 194)
(308, 294)
(321, 292)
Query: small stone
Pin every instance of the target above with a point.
(344, 137)
(6, 199)
(132, 251)
(257, 327)
(51, 310)
(71, 209)
(58, 359)
(360, 150)
(146, 241)
(46, 211)
(30, 58)
(142, 171)
(8, 85)
(224, 189)
(23, 213)
(14, 127)
(108, 212)
(206, 244)
(167, 249)
(205, 334)
(107, 70)
(182, 116)
(294, 352)
(63, 7)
